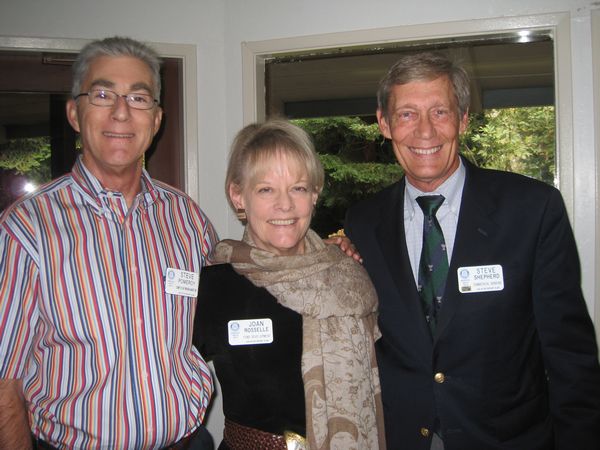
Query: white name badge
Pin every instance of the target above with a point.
(249, 332)
(480, 279)
(181, 282)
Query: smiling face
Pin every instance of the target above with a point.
(279, 202)
(115, 138)
(424, 126)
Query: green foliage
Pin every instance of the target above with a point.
(345, 184)
(355, 179)
(348, 137)
(357, 164)
(27, 156)
(520, 140)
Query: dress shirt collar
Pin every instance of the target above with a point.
(451, 189)
(94, 192)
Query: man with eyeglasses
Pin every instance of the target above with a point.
(98, 281)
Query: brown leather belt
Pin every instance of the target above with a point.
(240, 437)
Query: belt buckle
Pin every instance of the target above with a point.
(293, 441)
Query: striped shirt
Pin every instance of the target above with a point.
(104, 352)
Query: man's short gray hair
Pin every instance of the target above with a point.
(424, 67)
(115, 46)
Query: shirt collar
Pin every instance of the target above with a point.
(94, 192)
(451, 189)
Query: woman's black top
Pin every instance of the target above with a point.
(261, 383)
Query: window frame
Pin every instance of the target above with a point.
(595, 17)
(254, 55)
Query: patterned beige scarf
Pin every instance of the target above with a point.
(338, 305)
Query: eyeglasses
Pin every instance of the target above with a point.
(104, 97)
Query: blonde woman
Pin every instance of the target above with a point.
(289, 322)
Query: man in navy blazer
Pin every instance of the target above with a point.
(512, 362)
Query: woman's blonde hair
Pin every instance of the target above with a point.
(259, 142)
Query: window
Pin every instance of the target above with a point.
(510, 67)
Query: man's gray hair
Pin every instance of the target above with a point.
(425, 67)
(115, 46)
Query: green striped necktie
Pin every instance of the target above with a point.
(433, 267)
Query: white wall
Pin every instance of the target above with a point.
(218, 27)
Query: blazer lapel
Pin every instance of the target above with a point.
(392, 243)
(390, 233)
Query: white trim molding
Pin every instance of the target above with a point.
(595, 15)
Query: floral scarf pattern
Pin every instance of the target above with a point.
(338, 305)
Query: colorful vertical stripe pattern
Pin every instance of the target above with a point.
(104, 353)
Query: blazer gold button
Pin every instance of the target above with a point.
(439, 377)
(424, 432)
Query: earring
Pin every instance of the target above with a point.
(241, 215)
(78, 142)
(382, 143)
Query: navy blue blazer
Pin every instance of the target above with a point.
(510, 369)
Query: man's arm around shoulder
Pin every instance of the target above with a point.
(14, 424)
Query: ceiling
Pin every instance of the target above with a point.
(504, 72)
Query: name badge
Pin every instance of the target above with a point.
(480, 279)
(249, 332)
(181, 282)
